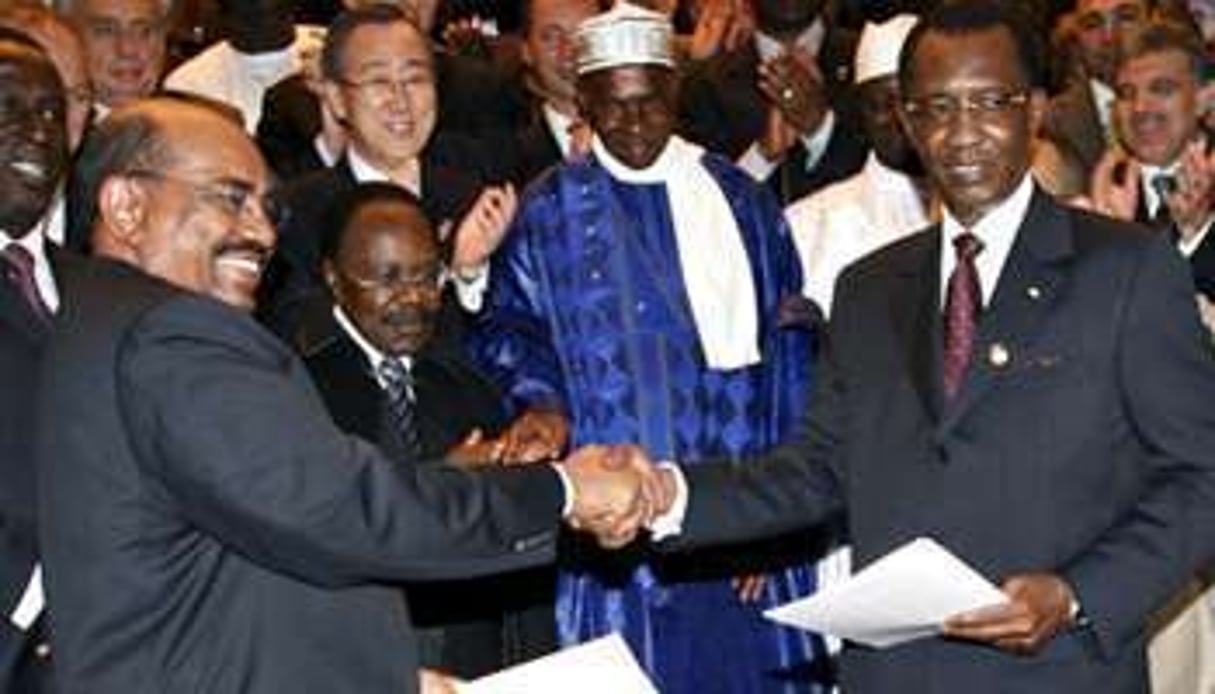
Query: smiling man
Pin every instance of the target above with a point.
(206, 526)
(33, 152)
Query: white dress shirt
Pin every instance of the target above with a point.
(840, 224)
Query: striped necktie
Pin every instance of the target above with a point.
(402, 410)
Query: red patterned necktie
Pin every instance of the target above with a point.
(19, 270)
(963, 300)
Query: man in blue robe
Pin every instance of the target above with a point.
(648, 292)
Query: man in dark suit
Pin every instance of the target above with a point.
(1056, 432)
(33, 153)
(379, 81)
(383, 267)
(1167, 171)
(778, 103)
(205, 527)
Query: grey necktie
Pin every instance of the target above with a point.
(402, 410)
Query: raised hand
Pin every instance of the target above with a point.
(1039, 607)
(1114, 186)
(483, 228)
(794, 85)
(1190, 203)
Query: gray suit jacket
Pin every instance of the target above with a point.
(208, 529)
(1086, 453)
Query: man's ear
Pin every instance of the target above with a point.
(1038, 103)
(330, 275)
(122, 207)
(331, 96)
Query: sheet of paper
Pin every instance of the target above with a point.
(902, 596)
(602, 666)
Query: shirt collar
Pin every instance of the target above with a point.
(366, 172)
(1189, 246)
(363, 170)
(374, 356)
(810, 41)
(559, 125)
(997, 230)
(35, 243)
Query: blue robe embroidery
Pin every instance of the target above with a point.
(587, 311)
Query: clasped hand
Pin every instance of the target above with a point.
(617, 492)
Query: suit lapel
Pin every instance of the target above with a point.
(916, 317)
(1029, 286)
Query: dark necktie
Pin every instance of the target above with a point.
(402, 413)
(1164, 185)
(963, 299)
(19, 270)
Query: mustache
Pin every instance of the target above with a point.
(407, 317)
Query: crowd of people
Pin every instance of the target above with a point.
(379, 345)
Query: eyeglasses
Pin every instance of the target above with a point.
(426, 286)
(231, 196)
(939, 109)
(384, 88)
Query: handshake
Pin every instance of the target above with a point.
(617, 492)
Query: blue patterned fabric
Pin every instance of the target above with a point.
(587, 311)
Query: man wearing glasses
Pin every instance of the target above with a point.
(205, 525)
(1027, 383)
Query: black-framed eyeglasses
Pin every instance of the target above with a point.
(939, 109)
(232, 196)
(427, 285)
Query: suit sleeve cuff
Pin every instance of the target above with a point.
(670, 524)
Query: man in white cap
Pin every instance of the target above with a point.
(644, 293)
(885, 200)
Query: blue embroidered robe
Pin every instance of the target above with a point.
(588, 311)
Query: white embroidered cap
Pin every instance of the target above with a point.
(877, 53)
(625, 35)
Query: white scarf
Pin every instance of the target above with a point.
(716, 269)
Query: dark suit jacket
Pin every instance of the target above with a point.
(1202, 266)
(294, 276)
(22, 339)
(474, 627)
(1086, 453)
(1072, 123)
(723, 110)
(213, 531)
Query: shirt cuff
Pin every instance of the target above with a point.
(816, 142)
(670, 523)
(567, 490)
(471, 284)
(755, 163)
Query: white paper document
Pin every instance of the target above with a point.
(603, 666)
(903, 596)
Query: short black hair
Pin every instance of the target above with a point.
(969, 17)
(337, 37)
(348, 204)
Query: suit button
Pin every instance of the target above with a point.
(43, 650)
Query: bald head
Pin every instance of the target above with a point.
(179, 190)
